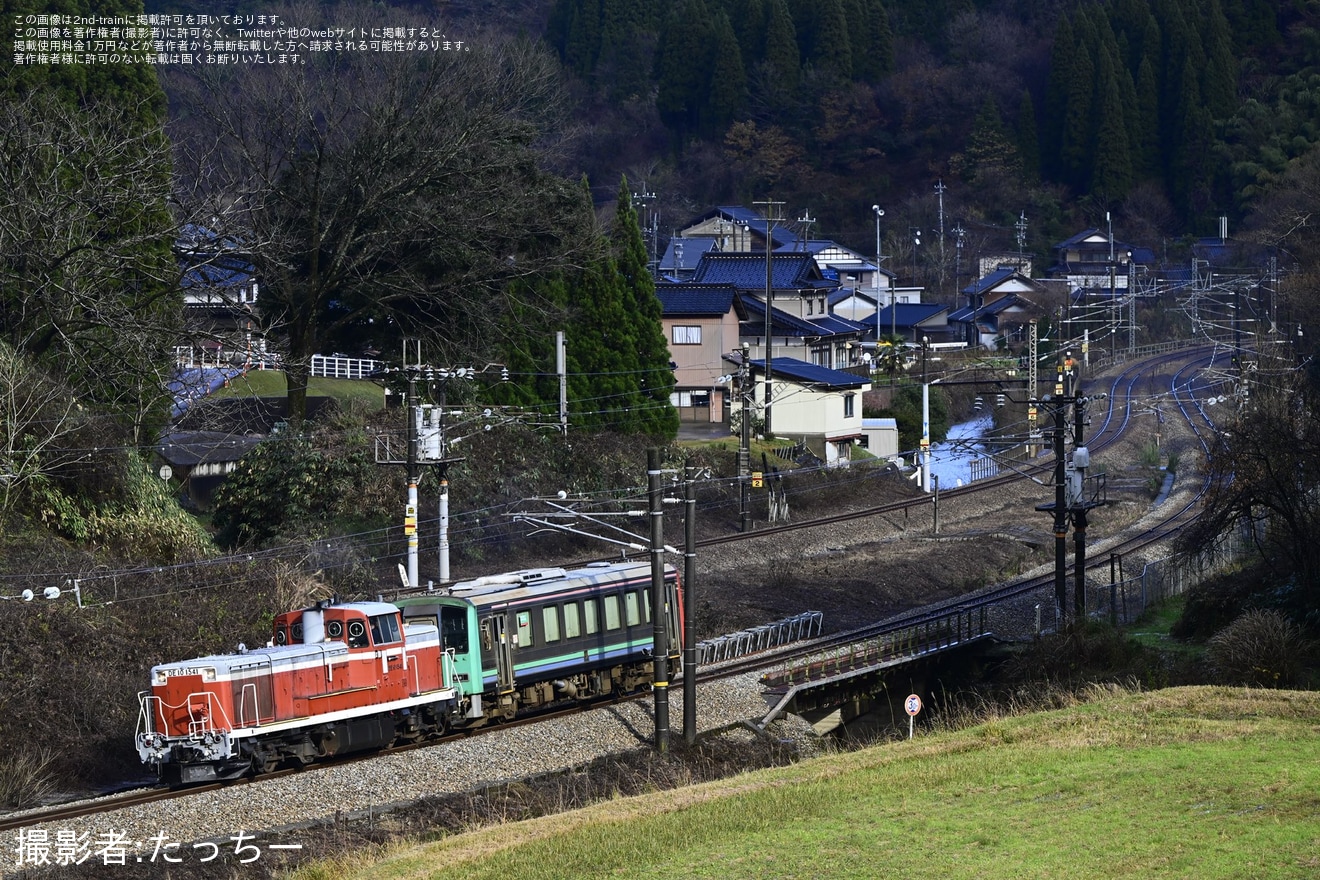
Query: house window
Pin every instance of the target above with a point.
(687, 334)
(822, 305)
(689, 398)
(848, 405)
(809, 307)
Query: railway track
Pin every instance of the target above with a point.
(1123, 391)
(1118, 417)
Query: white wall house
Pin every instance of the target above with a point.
(820, 406)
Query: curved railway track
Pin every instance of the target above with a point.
(1179, 391)
(1121, 394)
(1123, 391)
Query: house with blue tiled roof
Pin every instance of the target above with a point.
(1097, 266)
(912, 321)
(738, 229)
(702, 323)
(811, 403)
(220, 288)
(682, 256)
(999, 307)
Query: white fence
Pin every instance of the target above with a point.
(336, 367)
(330, 366)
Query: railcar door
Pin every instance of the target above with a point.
(674, 621)
(496, 627)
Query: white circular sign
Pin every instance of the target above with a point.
(912, 704)
(166, 472)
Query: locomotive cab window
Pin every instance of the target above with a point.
(550, 622)
(385, 629)
(612, 612)
(357, 634)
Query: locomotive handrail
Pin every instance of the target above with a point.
(207, 697)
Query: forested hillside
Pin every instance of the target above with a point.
(1168, 114)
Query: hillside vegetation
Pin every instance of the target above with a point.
(1188, 782)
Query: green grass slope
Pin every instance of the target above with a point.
(1182, 783)
(272, 383)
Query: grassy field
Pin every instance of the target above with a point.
(1183, 783)
(271, 383)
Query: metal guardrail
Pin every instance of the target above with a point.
(937, 634)
(760, 638)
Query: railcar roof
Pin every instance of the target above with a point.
(539, 582)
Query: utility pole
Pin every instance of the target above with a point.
(1080, 461)
(425, 444)
(772, 215)
(659, 607)
(690, 605)
(561, 368)
(1021, 239)
(1060, 518)
(925, 417)
(959, 238)
(649, 226)
(939, 192)
(807, 221)
(1070, 499)
(745, 391)
(410, 511)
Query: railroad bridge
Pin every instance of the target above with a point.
(844, 683)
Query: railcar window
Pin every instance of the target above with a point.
(612, 612)
(453, 628)
(550, 622)
(385, 629)
(634, 608)
(591, 611)
(525, 639)
(572, 625)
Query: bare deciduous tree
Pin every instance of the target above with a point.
(383, 195)
(88, 287)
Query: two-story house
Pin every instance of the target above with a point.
(999, 307)
(814, 404)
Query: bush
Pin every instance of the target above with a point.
(26, 777)
(1260, 648)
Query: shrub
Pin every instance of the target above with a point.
(25, 778)
(1261, 648)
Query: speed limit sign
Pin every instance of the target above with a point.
(913, 705)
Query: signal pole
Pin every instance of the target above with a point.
(690, 606)
(771, 217)
(745, 391)
(1070, 493)
(659, 607)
